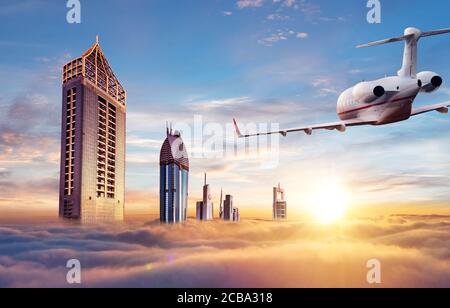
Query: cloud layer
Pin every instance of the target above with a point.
(413, 250)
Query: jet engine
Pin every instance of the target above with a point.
(367, 92)
(429, 81)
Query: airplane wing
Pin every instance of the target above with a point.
(339, 126)
(442, 108)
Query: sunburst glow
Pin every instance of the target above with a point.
(329, 203)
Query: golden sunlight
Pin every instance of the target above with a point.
(329, 203)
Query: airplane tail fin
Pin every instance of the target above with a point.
(410, 37)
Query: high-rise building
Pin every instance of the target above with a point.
(229, 212)
(92, 175)
(228, 208)
(200, 210)
(205, 209)
(174, 179)
(279, 204)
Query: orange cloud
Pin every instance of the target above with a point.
(413, 251)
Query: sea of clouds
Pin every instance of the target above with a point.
(414, 252)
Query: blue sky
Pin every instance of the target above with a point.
(277, 61)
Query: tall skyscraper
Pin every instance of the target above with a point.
(279, 204)
(229, 212)
(174, 179)
(205, 209)
(228, 208)
(92, 176)
(200, 210)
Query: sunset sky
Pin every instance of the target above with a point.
(372, 193)
(262, 61)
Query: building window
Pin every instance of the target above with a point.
(106, 153)
(70, 141)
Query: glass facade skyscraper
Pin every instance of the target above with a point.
(92, 186)
(174, 179)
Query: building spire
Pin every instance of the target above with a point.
(205, 178)
(97, 39)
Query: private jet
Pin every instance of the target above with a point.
(383, 101)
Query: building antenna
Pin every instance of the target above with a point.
(205, 178)
(97, 39)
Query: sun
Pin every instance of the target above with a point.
(329, 203)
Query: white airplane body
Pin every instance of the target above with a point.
(383, 101)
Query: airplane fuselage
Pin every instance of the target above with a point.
(394, 104)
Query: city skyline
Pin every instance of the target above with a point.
(367, 208)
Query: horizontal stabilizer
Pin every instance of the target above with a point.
(435, 32)
(413, 33)
(386, 41)
(411, 37)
